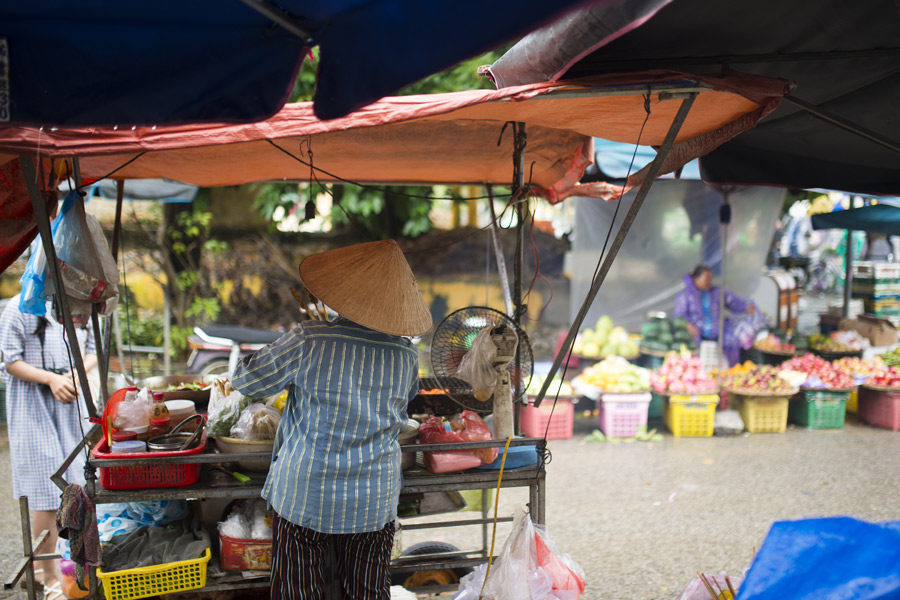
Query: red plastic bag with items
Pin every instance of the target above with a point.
(468, 427)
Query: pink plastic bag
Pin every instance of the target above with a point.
(468, 427)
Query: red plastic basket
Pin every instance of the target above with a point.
(880, 408)
(148, 476)
(534, 420)
(244, 555)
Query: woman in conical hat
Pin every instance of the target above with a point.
(335, 476)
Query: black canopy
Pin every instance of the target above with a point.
(843, 56)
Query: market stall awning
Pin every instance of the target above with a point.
(108, 62)
(876, 218)
(840, 129)
(441, 138)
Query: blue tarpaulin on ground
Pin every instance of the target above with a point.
(826, 559)
(108, 62)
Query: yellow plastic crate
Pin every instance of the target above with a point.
(155, 580)
(691, 416)
(853, 401)
(763, 414)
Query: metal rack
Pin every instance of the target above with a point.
(217, 484)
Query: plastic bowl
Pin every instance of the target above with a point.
(408, 435)
(230, 445)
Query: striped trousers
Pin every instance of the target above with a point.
(309, 565)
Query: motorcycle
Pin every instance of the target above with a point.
(216, 349)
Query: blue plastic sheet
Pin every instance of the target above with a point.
(826, 559)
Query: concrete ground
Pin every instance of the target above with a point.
(642, 518)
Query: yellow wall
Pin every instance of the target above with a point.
(460, 292)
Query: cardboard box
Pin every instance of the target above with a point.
(878, 331)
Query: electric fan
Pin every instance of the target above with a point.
(513, 362)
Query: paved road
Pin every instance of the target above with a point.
(641, 518)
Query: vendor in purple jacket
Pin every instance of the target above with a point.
(698, 303)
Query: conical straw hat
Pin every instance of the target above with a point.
(370, 284)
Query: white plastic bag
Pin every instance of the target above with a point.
(257, 422)
(225, 406)
(477, 368)
(134, 413)
(528, 568)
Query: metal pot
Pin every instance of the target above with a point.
(177, 440)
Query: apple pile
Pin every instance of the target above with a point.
(860, 366)
(682, 375)
(819, 372)
(761, 379)
(773, 344)
(888, 378)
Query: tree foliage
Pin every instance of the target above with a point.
(372, 213)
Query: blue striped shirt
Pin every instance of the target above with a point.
(336, 462)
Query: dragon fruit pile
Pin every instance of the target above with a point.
(682, 375)
(820, 373)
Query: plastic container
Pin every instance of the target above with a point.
(167, 578)
(620, 415)
(535, 421)
(179, 410)
(691, 416)
(159, 426)
(762, 414)
(148, 476)
(879, 407)
(244, 555)
(819, 409)
(876, 270)
(409, 433)
(124, 435)
(853, 402)
(128, 447)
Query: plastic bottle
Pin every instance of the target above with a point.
(159, 408)
(159, 426)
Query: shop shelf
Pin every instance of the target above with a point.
(819, 409)
(879, 407)
(561, 423)
(691, 416)
(167, 578)
(621, 415)
(762, 414)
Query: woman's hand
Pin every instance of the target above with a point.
(751, 309)
(692, 329)
(62, 387)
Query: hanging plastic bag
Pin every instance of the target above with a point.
(477, 366)
(132, 414)
(88, 270)
(257, 422)
(33, 299)
(225, 406)
(467, 428)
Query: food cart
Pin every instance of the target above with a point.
(417, 139)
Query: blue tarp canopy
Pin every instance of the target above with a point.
(108, 62)
(877, 218)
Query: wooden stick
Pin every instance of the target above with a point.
(730, 587)
(709, 588)
(303, 305)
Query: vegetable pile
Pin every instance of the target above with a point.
(892, 357)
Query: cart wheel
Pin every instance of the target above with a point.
(215, 366)
(416, 579)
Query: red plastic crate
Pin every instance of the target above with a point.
(244, 555)
(534, 420)
(620, 415)
(148, 476)
(880, 408)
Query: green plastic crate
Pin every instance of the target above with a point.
(655, 410)
(819, 409)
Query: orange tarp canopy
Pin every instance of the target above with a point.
(437, 138)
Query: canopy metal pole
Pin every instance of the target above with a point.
(843, 123)
(652, 173)
(167, 335)
(724, 221)
(848, 276)
(520, 139)
(108, 321)
(501, 260)
(29, 170)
